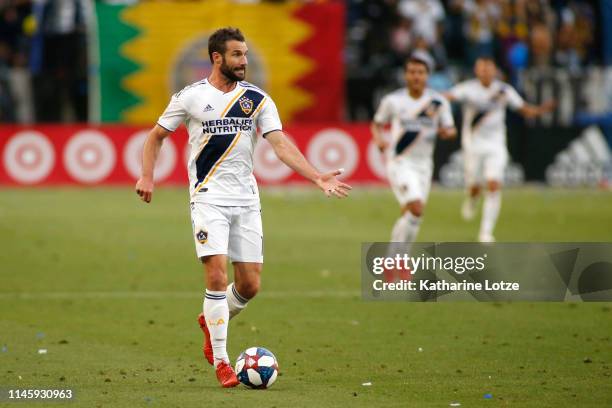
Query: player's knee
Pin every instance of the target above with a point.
(216, 276)
(493, 185)
(216, 279)
(415, 208)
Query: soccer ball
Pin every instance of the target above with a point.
(257, 368)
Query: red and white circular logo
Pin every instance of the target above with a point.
(89, 156)
(267, 166)
(132, 156)
(29, 157)
(376, 161)
(332, 149)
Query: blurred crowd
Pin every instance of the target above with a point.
(43, 53)
(43, 60)
(517, 33)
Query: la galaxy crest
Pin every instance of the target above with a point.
(202, 236)
(246, 105)
(432, 109)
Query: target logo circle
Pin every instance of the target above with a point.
(132, 156)
(89, 156)
(29, 157)
(332, 149)
(376, 161)
(267, 166)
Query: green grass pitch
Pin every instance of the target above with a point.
(111, 288)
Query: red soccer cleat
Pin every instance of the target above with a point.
(226, 375)
(395, 275)
(207, 347)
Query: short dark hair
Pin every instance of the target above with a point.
(217, 41)
(486, 58)
(415, 60)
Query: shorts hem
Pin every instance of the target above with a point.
(259, 260)
(209, 253)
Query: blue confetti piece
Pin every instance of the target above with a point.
(488, 396)
(4, 348)
(40, 335)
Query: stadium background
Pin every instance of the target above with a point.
(327, 64)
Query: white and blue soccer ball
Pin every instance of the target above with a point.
(257, 368)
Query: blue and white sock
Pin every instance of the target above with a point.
(235, 301)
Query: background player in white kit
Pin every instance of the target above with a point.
(483, 138)
(417, 116)
(222, 115)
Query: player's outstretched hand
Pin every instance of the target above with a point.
(144, 188)
(332, 186)
(446, 133)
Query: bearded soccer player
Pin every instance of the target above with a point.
(483, 138)
(223, 114)
(417, 115)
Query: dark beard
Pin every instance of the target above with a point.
(229, 74)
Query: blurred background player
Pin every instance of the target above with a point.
(417, 116)
(222, 114)
(483, 138)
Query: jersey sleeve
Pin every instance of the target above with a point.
(174, 114)
(515, 101)
(385, 111)
(446, 114)
(268, 119)
(459, 92)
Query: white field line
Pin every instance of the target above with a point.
(165, 295)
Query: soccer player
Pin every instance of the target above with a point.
(222, 114)
(417, 116)
(483, 138)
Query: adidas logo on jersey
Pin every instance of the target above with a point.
(208, 108)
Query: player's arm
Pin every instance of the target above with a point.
(457, 93)
(289, 154)
(530, 111)
(450, 96)
(381, 118)
(377, 130)
(167, 123)
(150, 152)
(447, 129)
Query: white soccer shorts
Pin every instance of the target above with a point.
(486, 165)
(408, 182)
(233, 231)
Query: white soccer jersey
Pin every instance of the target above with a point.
(484, 113)
(414, 124)
(222, 135)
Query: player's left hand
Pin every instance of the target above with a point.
(331, 185)
(144, 188)
(447, 133)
